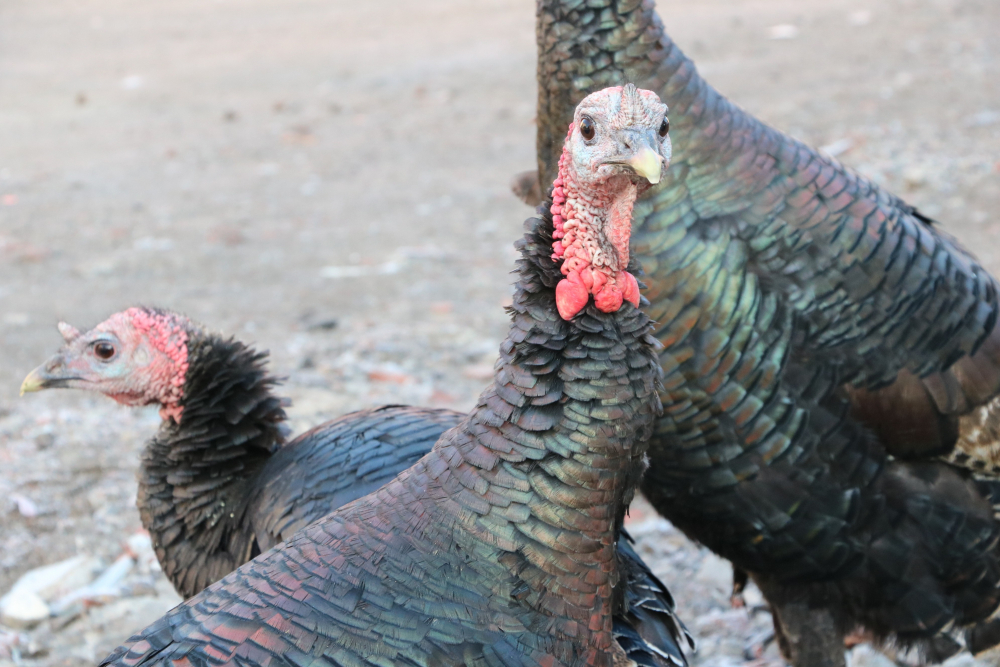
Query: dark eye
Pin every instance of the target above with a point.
(587, 128)
(104, 350)
(664, 127)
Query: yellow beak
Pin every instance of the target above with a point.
(34, 382)
(647, 164)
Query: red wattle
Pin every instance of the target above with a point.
(630, 288)
(571, 296)
(578, 219)
(600, 280)
(608, 300)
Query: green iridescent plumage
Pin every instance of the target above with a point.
(816, 330)
(499, 547)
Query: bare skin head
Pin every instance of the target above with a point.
(136, 357)
(617, 146)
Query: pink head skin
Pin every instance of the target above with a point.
(137, 357)
(617, 145)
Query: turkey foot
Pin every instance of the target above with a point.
(757, 644)
(740, 579)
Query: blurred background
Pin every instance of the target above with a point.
(329, 180)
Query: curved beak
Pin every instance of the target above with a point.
(46, 376)
(647, 163)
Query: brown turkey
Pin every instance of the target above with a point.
(831, 359)
(499, 545)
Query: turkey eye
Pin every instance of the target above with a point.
(664, 127)
(587, 128)
(104, 350)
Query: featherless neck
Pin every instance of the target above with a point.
(592, 225)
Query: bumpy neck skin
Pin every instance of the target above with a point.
(592, 226)
(194, 473)
(541, 472)
(170, 337)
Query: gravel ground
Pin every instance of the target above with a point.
(329, 180)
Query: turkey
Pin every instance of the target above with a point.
(499, 544)
(218, 484)
(273, 488)
(831, 360)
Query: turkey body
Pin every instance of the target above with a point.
(221, 486)
(210, 509)
(831, 357)
(488, 550)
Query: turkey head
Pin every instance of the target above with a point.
(137, 357)
(617, 146)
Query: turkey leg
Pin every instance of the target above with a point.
(807, 637)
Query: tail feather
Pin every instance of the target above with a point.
(978, 445)
(639, 651)
(932, 554)
(649, 631)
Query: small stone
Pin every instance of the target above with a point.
(52, 581)
(17, 319)
(107, 587)
(25, 506)
(653, 525)
(325, 324)
(14, 643)
(835, 148)
(439, 397)
(140, 547)
(153, 244)
(226, 235)
(915, 177)
(23, 609)
(132, 82)
(752, 596)
(860, 17)
(478, 371)
(389, 376)
(866, 656)
(984, 118)
(441, 307)
(783, 31)
(964, 660)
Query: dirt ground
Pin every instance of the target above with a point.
(330, 179)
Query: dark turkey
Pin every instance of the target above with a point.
(218, 484)
(274, 488)
(508, 515)
(831, 358)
